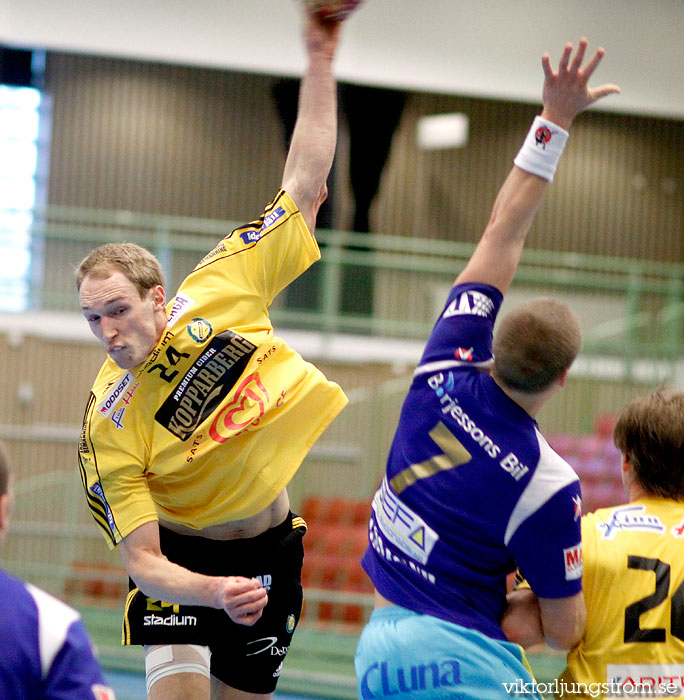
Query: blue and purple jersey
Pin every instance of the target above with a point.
(472, 490)
(46, 652)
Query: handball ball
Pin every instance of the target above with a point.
(332, 10)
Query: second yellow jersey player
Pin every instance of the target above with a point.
(634, 640)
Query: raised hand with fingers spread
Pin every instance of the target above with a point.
(566, 92)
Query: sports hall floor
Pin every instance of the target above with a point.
(129, 686)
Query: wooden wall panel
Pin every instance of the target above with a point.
(57, 374)
(208, 143)
(619, 189)
(162, 139)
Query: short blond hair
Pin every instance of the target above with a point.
(535, 344)
(137, 263)
(650, 432)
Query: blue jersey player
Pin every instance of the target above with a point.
(45, 651)
(471, 488)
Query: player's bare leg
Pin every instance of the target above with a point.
(181, 686)
(220, 691)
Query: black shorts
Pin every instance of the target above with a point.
(246, 658)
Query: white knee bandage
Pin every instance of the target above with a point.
(163, 660)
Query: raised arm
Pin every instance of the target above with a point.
(565, 95)
(315, 134)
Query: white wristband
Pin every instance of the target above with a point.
(542, 148)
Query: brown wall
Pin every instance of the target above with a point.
(161, 139)
(208, 143)
(619, 189)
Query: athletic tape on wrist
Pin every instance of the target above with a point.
(542, 148)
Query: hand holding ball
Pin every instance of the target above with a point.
(332, 10)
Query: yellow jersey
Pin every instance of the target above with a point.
(217, 420)
(634, 591)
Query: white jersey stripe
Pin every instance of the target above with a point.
(54, 620)
(551, 475)
(450, 364)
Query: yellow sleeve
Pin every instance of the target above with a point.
(589, 544)
(261, 258)
(115, 485)
(119, 503)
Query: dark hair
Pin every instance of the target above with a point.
(138, 264)
(4, 470)
(650, 432)
(535, 344)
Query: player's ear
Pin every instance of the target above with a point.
(158, 296)
(627, 474)
(625, 464)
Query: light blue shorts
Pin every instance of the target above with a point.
(403, 654)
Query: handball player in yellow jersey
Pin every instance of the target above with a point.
(197, 421)
(633, 644)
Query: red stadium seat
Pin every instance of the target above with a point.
(563, 443)
(333, 546)
(590, 445)
(335, 510)
(604, 425)
(592, 469)
(603, 495)
(102, 581)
